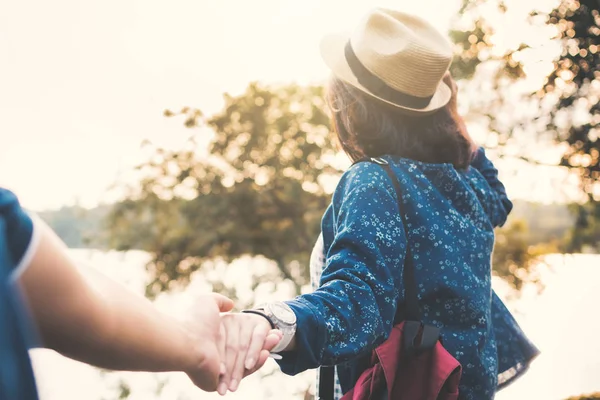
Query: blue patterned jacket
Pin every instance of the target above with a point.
(451, 216)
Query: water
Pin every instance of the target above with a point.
(562, 321)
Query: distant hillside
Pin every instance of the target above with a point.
(79, 227)
(546, 222)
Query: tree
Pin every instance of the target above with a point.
(573, 85)
(576, 81)
(576, 117)
(487, 73)
(260, 190)
(564, 109)
(491, 77)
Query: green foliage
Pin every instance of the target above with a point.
(538, 228)
(124, 390)
(490, 73)
(576, 80)
(260, 187)
(576, 117)
(516, 256)
(259, 191)
(533, 231)
(585, 233)
(593, 396)
(566, 108)
(472, 35)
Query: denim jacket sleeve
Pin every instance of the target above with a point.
(353, 310)
(500, 206)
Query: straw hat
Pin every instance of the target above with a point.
(395, 57)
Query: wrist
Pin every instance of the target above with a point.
(284, 320)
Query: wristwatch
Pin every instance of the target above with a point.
(284, 319)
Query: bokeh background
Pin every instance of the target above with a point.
(183, 146)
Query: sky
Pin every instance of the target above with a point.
(82, 84)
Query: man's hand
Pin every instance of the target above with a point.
(204, 329)
(246, 340)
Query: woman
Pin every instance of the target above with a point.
(392, 97)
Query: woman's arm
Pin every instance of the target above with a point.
(108, 326)
(353, 310)
(500, 206)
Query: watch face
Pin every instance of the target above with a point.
(282, 312)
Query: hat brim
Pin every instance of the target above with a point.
(332, 52)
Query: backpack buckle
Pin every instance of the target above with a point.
(379, 160)
(419, 337)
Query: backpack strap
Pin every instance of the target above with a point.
(411, 310)
(411, 299)
(417, 335)
(410, 313)
(326, 383)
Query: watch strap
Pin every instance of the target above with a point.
(262, 314)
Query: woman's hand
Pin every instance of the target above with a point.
(245, 343)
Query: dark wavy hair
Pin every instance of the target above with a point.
(367, 127)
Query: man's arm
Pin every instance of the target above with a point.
(106, 325)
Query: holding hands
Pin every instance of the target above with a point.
(222, 349)
(244, 345)
(231, 346)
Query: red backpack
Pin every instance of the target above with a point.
(412, 364)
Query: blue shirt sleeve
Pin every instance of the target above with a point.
(16, 229)
(17, 333)
(353, 310)
(500, 206)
